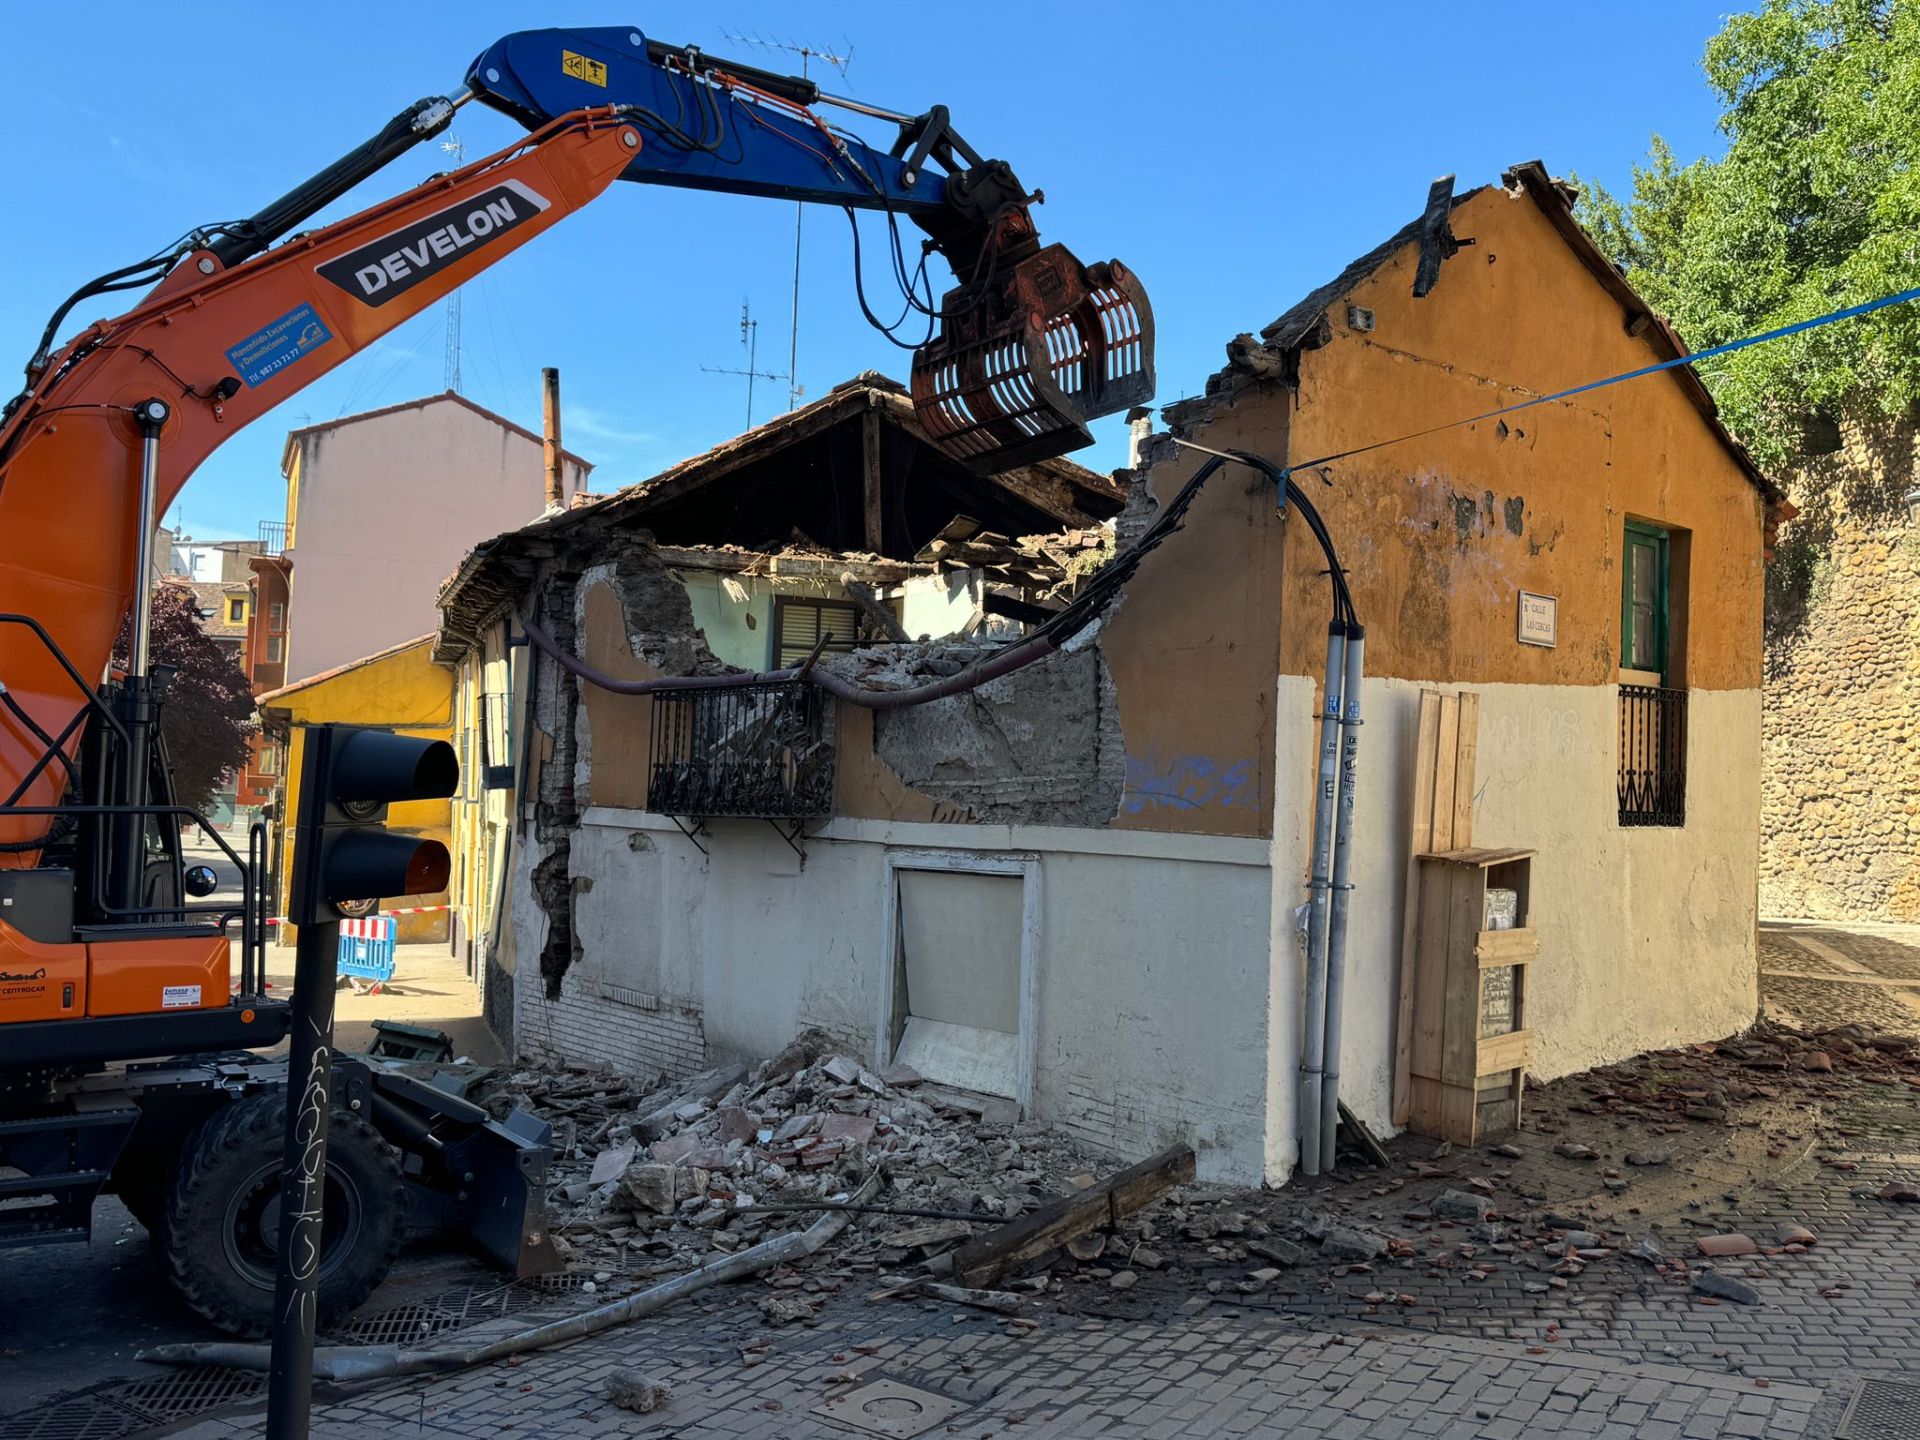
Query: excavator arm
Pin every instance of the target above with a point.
(1030, 343)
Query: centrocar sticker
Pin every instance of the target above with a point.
(396, 262)
(265, 353)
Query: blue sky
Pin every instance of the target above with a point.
(1235, 155)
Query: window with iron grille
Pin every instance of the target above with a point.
(1653, 755)
(753, 751)
(798, 625)
(1653, 715)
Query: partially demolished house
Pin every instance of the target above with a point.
(831, 527)
(1074, 870)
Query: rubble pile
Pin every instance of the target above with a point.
(650, 1180)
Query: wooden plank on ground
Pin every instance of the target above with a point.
(982, 1262)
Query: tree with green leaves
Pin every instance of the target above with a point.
(207, 716)
(1814, 206)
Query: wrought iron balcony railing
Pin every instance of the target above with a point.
(752, 751)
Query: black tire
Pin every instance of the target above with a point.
(216, 1235)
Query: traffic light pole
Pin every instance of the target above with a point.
(303, 1165)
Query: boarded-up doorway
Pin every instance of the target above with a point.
(961, 934)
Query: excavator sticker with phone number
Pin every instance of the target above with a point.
(265, 353)
(581, 68)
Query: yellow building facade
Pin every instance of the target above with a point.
(402, 690)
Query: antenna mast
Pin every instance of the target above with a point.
(454, 147)
(839, 60)
(750, 342)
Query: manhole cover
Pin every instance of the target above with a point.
(1882, 1410)
(886, 1407)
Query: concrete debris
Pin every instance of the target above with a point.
(1725, 1287)
(1342, 1243)
(999, 1301)
(1458, 1205)
(631, 1390)
(648, 1180)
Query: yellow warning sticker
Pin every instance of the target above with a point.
(581, 68)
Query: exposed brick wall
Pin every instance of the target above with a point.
(593, 1022)
(1840, 798)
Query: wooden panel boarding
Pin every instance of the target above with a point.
(1446, 746)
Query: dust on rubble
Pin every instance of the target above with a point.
(1621, 1177)
(650, 1180)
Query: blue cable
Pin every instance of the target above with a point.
(1832, 317)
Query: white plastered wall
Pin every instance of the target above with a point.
(1647, 934)
(1150, 1011)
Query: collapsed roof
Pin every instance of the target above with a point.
(797, 484)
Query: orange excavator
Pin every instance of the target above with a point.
(111, 954)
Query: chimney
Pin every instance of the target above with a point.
(550, 426)
(1139, 431)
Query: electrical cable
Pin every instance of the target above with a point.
(1851, 312)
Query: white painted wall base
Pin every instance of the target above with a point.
(1166, 973)
(1648, 936)
(1150, 978)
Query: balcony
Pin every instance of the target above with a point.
(273, 537)
(749, 751)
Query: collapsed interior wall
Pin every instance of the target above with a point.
(1041, 746)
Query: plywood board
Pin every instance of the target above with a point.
(1445, 754)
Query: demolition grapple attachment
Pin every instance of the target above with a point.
(1024, 361)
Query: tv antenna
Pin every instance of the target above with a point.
(750, 342)
(458, 150)
(838, 61)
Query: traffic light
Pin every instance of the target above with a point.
(342, 853)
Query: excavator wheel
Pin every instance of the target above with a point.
(222, 1215)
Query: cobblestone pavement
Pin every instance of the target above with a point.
(1623, 1352)
(1815, 973)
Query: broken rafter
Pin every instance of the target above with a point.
(982, 1262)
(874, 610)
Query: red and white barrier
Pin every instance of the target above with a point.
(398, 910)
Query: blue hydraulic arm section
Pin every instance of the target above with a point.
(712, 124)
(1031, 343)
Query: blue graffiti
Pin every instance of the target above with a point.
(1188, 782)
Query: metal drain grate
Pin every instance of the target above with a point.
(117, 1410)
(1882, 1410)
(452, 1309)
(84, 1417)
(400, 1325)
(189, 1391)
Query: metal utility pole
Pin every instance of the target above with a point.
(750, 341)
(839, 61)
(303, 1165)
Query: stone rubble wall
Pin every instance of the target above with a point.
(1840, 798)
